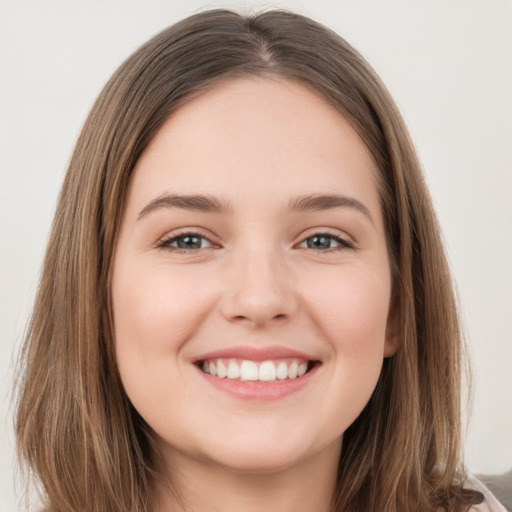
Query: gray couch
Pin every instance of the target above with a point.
(500, 486)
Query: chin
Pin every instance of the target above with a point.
(258, 462)
(267, 454)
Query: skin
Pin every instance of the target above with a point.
(254, 281)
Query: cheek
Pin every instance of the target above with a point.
(156, 309)
(351, 309)
(351, 306)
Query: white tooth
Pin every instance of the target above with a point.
(248, 371)
(222, 371)
(213, 370)
(282, 371)
(206, 367)
(292, 370)
(302, 369)
(267, 371)
(233, 370)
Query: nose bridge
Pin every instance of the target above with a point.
(261, 287)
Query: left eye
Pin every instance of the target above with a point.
(324, 241)
(186, 241)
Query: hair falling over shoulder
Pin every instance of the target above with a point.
(77, 433)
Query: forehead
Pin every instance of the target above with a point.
(247, 137)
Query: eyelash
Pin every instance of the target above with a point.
(165, 244)
(343, 242)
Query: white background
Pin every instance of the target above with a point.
(447, 63)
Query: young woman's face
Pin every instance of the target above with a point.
(252, 249)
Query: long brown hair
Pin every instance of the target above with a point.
(76, 429)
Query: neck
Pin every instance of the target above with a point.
(204, 486)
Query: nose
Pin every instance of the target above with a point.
(259, 290)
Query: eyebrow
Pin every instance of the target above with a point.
(195, 202)
(210, 204)
(317, 202)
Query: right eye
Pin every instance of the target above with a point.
(185, 242)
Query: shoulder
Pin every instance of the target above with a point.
(490, 503)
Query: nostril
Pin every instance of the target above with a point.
(280, 316)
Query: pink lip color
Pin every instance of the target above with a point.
(254, 354)
(263, 391)
(250, 390)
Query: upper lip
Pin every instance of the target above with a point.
(255, 354)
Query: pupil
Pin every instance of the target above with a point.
(322, 242)
(189, 242)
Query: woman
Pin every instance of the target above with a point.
(245, 302)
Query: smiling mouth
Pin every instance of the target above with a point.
(246, 370)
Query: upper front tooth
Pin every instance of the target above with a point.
(222, 371)
(282, 370)
(267, 371)
(292, 370)
(248, 370)
(233, 370)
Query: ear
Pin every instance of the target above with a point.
(393, 326)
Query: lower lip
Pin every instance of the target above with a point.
(250, 390)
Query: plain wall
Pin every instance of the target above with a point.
(448, 65)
